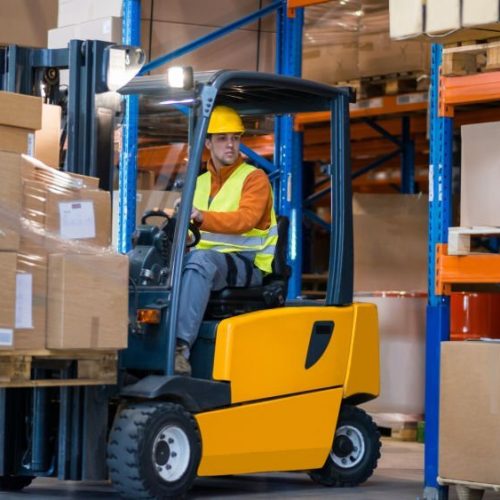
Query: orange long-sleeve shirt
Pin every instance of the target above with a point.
(254, 211)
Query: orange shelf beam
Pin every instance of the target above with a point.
(470, 89)
(473, 268)
(377, 106)
(295, 4)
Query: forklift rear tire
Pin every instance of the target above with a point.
(14, 483)
(355, 450)
(154, 451)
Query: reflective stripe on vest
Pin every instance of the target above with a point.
(262, 242)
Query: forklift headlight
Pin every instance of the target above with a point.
(149, 316)
(180, 77)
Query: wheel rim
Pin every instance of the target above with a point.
(348, 447)
(171, 453)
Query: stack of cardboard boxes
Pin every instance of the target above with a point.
(64, 288)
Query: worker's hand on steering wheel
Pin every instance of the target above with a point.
(196, 216)
(193, 236)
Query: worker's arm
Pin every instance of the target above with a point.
(256, 201)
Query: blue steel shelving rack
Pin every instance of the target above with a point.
(438, 308)
(288, 143)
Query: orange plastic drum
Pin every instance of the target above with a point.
(475, 315)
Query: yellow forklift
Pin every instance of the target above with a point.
(276, 382)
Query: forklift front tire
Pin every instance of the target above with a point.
(14, 483)
(355, 451)
(154, 451)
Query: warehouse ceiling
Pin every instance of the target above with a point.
(341, 21)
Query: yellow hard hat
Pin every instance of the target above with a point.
(225, 120)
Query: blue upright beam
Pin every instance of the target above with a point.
(195, 44)
(288, 144)
(407, 158)
(438, 310)
(131, 35)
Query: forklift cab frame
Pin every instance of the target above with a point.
(249, 93)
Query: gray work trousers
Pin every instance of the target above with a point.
(204, 271)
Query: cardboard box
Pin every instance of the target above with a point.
(83, 216)
(47, 138)
(480, 175)
(442, 16)
(33, 170)
(390, 242)
(332, 63)
(64, 217)
(146, 200)
(379, 55)
(31, 301)
(87, 301)
(59, 203)
(479, 12)
(80, 11)
(469, 415)
(10, 200)
(220, 53)
(108, 29)
(7, 299)
(16, 140)
(406, 18)
(25, 22)
(18, 110)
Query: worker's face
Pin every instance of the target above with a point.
(224, 148)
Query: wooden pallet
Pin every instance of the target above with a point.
(66, 368)
(470, 59)
(459, 238)
(469, 490)
(391, 84)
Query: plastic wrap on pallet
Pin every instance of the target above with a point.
(64, 285)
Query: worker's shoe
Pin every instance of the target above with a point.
(182, 365)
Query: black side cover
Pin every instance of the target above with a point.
(320, 337)
(195, 394)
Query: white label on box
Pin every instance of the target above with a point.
(6, 336)
(376, 102)
(31, 144)
(77, 220)
(24, 300)
(411, 98)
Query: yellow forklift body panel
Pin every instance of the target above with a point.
(263, 354)
(291, 433)
(363, 368)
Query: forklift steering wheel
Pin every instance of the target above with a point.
(193, 238)
(154, 213)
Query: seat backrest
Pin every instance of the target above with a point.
(280, 267)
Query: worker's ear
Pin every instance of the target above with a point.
(208, 144)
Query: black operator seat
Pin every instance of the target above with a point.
(238, 300)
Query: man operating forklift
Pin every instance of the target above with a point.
(233, 208)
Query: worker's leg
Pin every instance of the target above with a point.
(204, 271)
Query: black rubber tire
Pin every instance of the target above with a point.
(14, 483)
(130, 451)
(331, 474)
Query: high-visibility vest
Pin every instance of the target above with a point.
(261, 241)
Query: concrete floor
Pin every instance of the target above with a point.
(399, 476)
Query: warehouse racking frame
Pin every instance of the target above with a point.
(289, 26)
(445, 270)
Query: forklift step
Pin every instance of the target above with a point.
(44, 368)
